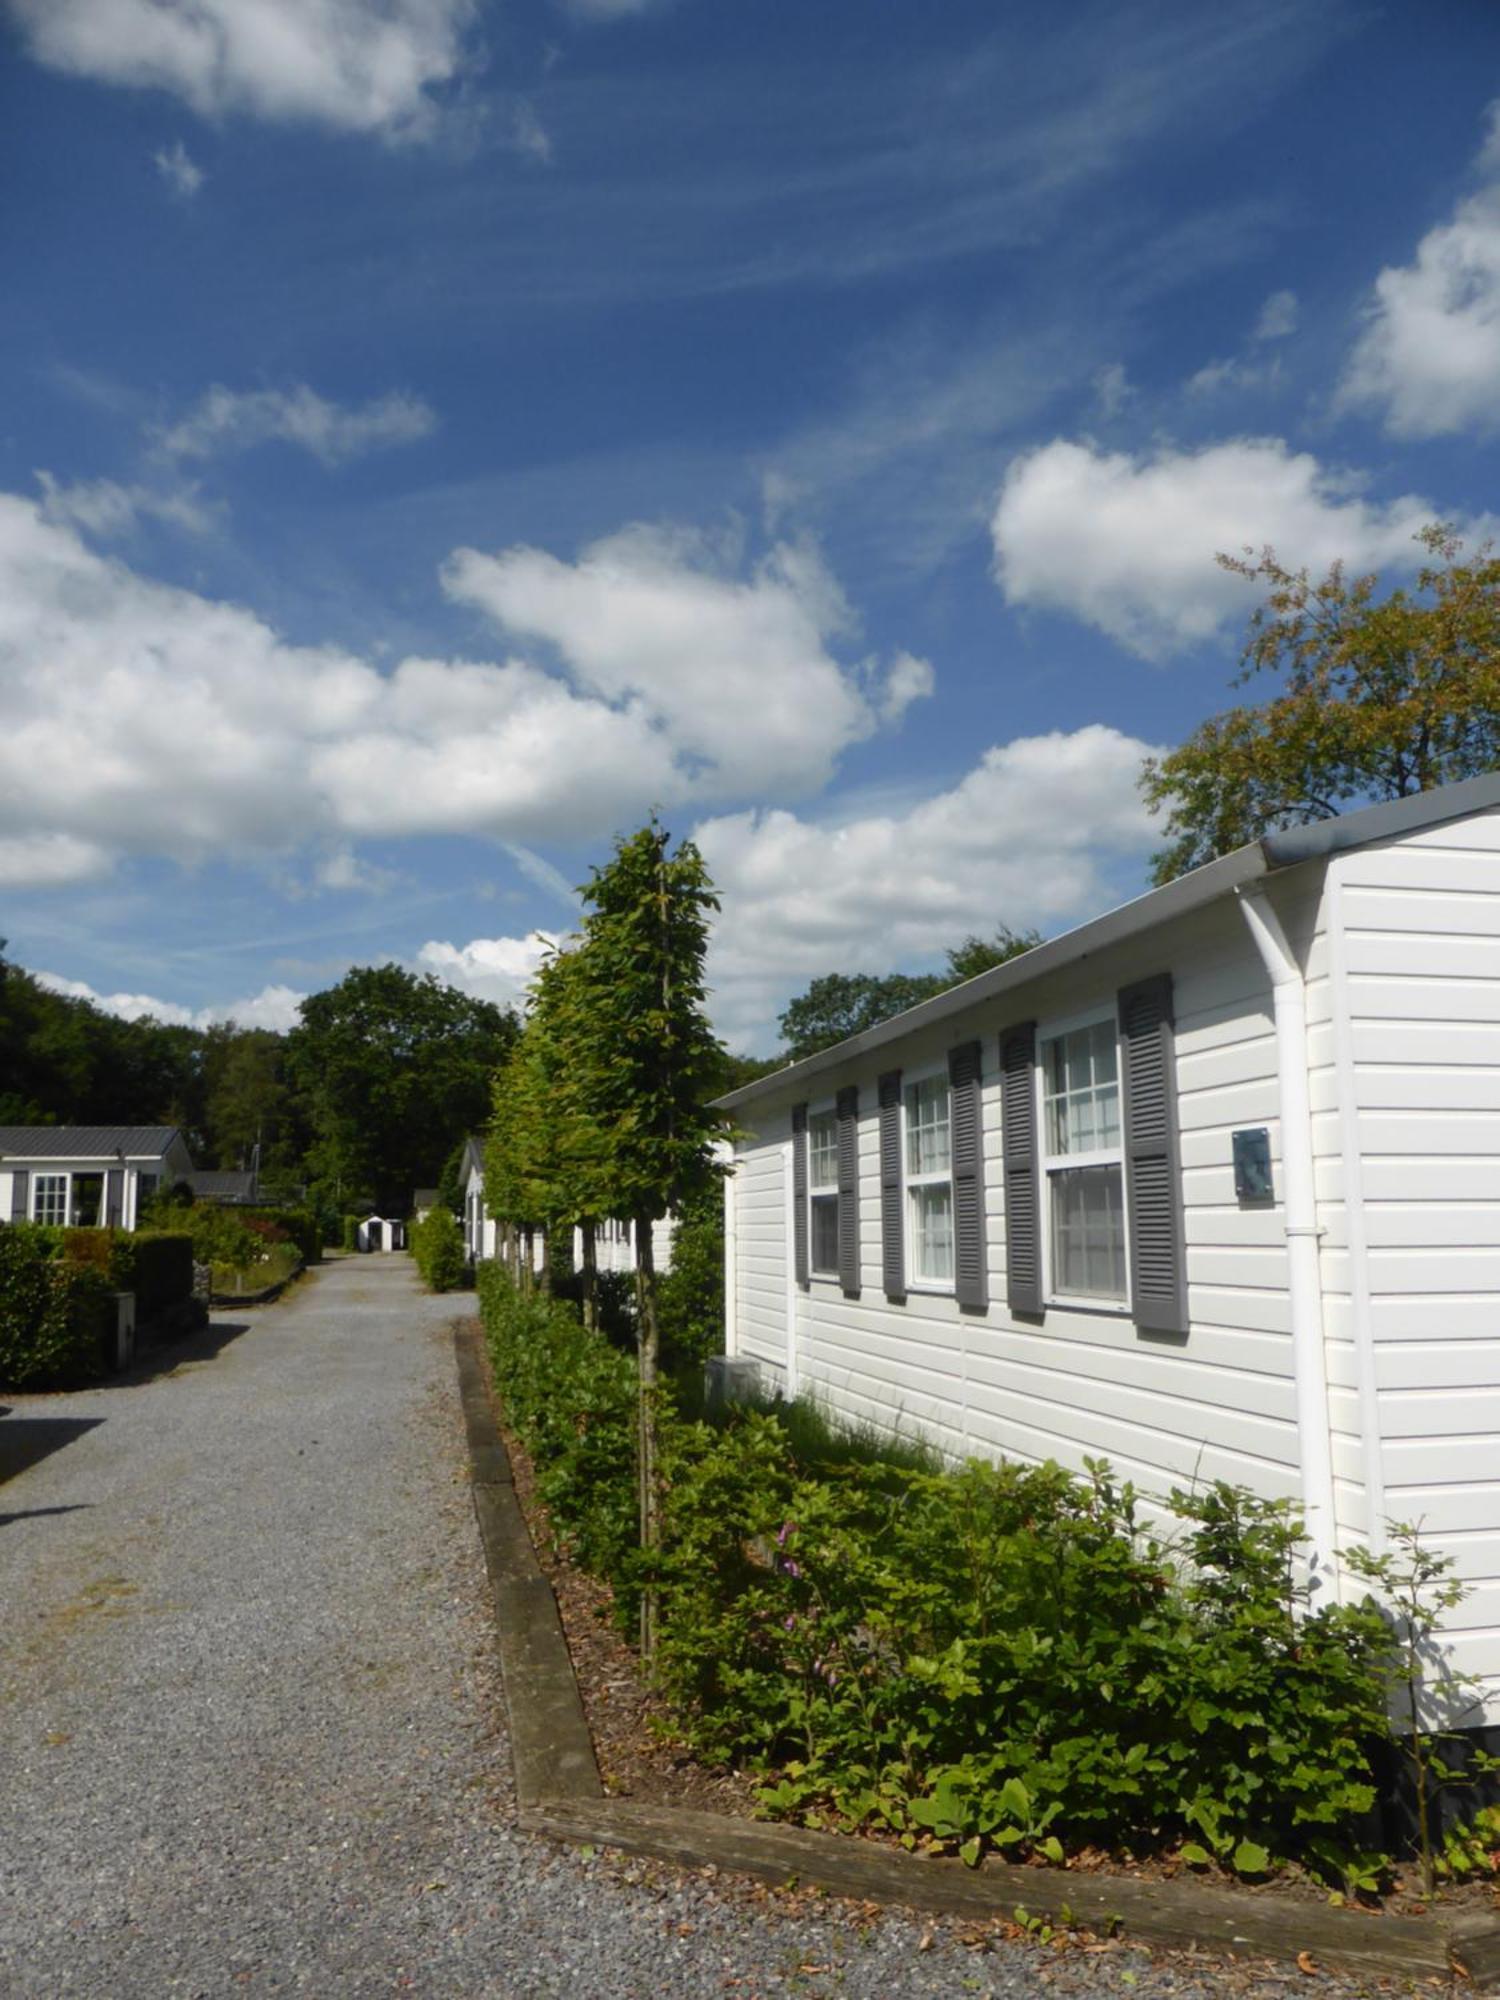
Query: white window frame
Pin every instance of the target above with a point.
(910, 1083)
(824, 1191)
(67, 1197)
(1051, 1163)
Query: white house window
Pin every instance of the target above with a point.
(823, 1193)
(49, 1200)
(929, 1182)
(1084, 1162)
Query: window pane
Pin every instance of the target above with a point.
(932, 1231)
(49, 1202)
(1088, 1232)
(823, 1246)
(927, 1144)
(823, 1150)
(1083, 1090)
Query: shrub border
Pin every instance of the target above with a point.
(559, 1794)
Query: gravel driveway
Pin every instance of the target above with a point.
(250, 1730)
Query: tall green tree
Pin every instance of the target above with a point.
(390, 1067)
(1378, 697)
(840, 1004)
(648, 1065)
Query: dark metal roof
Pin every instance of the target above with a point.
(223, 1184)
(85, 1142)
(1192, 891)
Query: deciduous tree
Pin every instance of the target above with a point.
(1379, 696)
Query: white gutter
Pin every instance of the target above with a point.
(1300, 1202)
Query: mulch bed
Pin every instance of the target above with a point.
(641, 1756)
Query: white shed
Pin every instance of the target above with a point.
(1209, 1187)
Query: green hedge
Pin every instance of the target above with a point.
(157, 1265)
(996, 1656)
(54, 1314)
(437, 1244)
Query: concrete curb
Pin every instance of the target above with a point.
(559, 1794)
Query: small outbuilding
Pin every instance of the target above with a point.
(1208, 1187)
(85, 1176)
(380, 1232)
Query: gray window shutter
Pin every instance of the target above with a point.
(114, 1197)
(1153, 1171)
(970, 1277)
(20, 1188)
(892, 1218)
(847, 1108)
(801, 1269)
(1022, 1166)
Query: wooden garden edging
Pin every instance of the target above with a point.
(559, 1794)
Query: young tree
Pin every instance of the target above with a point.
(1380, 697)
(980, 954)
(648, 1064)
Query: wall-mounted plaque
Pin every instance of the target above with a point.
(1252, 1165)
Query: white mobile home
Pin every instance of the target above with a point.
(1209, 1187)
(87, 1175)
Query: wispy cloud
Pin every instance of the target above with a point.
(228, 420)
(107, 510)
(179, 170)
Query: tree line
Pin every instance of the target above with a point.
(359, 1102)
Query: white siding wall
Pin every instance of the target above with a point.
(1421, 944)
(1218, 1403)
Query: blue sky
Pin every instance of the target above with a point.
(433, 434)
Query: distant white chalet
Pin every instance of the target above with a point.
(1209, 1187)
(86, 1175)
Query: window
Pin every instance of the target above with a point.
(929, 1182)
(823, 1193)
(49, 1200)
(1084, 1162)
(88, 1200)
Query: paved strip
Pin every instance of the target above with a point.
(251, 1727)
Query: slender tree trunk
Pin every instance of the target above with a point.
(528, 1259)
(648, 1344)
(544, 1275)
(590, 1277)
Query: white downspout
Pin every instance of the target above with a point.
(1309, 1359)
(731, 1259)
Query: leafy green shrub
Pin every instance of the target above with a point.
(437, 1244)
(295, 1225)
(349, 1232)
(52, 1311)
(998, 1656)
(690, 1295)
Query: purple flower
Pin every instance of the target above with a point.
(789, 1568)
(784, 1533)
(790, 1622)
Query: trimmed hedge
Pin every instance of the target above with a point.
(54, 1314)
(437, 1244)
(158, 1267)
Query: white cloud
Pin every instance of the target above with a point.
(345, 870)
(186, 727)
(108, 511)
(49, 860)
(528, 135)
(1113, 389)
(1128, 543)
(1278, 317)
(1429, 357)
(235, 420)
(273, 1007)
(355, 65)
(735, 671)
(1031, 836)
(178, 169)
(498, 969)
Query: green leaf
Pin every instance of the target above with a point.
(1194, 1855)
(1250, 1858)
(969, 1853)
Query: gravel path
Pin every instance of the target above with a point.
(250, 1727)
